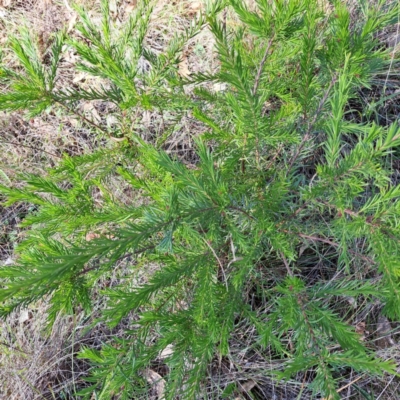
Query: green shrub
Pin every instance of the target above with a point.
(282, 175)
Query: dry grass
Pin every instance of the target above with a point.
(36, 364)
(40, 364)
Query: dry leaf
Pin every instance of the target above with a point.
(72, 22)
(113, 8)
(247, 386)
(303, 248)
(89, 107)
(219, 87)
(166, 352)
(129, 7)
(91, 235)
(383, 330)
(352, 301)
(183, 68)
(74, 122)
(360, 329)
(9, 261)
(80, 77)
(146, 118)
(157, 382)
(112, 120)
(69, 56)
(196, 6)
(25, 316)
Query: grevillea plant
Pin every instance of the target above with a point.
(282, 174)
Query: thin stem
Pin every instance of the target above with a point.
(318, 239)
(83, 118)
(139, 251)
(285, 261)
(322, 103)
(242, 211)
(349, 384)
(224, 22)
(312, 123)
(2, 343)
(30, 147)
(261, 67)
(327, 241)
(219, 262)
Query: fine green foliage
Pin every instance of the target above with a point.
(281, 170)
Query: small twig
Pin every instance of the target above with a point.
(85, 271)
(312, 123)
(232, 247)
(319, 239)
(255, 87)
(90, 122)
(368, 220)
(285, 261)
(261, 67)
(219, 262)
(322, 103)
(294, 214)
(233, 250)
(224, 22)
(327, 241)
(13, 348)
(299, 149)
(274, 158)
(30, 147)
(349, 384)
(166, 301)
(242, 211)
